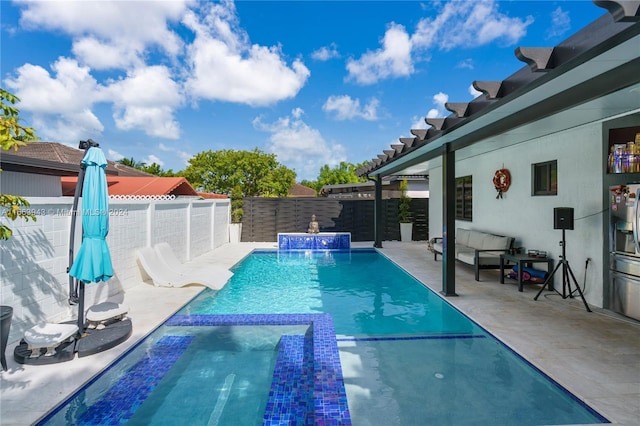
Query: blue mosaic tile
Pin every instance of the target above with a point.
(122, 400)
(327, 403)
(291, 389)
(329, 241)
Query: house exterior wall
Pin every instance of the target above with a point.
(529, 218)
(29, 185)
(33, 274)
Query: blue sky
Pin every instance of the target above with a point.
(313, 82)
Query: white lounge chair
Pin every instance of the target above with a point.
(166, 254)
(162, 275)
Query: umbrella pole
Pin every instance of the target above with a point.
(81, 309)
(73, 286)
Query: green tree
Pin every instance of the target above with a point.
(239, 173)
(342, 173)
(131, 162)
(155, 169)
(13, 135)
(311, 184)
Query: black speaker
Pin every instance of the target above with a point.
(563, 218)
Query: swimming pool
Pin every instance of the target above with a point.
(402, 355)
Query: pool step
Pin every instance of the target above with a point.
(291, 395)
(120, 402)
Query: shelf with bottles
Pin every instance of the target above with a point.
(624, 157)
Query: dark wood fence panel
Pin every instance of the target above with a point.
(264, 218)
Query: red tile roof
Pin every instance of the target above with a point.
(298, 190)
(135, 185)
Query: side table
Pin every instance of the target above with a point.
(524, 260)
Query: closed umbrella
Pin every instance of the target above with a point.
(93, 262)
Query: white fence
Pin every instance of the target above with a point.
(33, 275)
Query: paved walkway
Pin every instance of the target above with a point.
(594, 355)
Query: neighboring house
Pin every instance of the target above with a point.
(418, 187)
(34, 170)
(50, 169)
(553, 124)
(35, 259)
(138, 186)
(299, 191)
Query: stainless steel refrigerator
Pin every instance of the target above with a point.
(624, 250)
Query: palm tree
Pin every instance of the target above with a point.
(131, 162)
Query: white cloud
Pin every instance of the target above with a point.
(297, 112)
(183, 155)
(434, 113)
(60, 103)
(150, 159)
(464, 24)
(393, 59)
(326, 52)
(225, 67)
(418, 123)
(469, 24)
(346, 108)
(473, 92)
(466, 63)
(146, 100)
(114, 155)
(300, 147)
(109, 34)
(439, 99)
(560, 23)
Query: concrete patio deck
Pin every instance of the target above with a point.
(594, 355)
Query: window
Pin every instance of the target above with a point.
(545, 178)
(464, 196)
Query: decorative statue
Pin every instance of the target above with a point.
(314, 227)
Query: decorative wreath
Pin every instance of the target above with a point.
(502, 181)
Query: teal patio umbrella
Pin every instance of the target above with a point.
(93, 262)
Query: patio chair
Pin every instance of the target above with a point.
(166, 254)
(162, 275)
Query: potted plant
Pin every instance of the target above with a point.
(235, 227)
(404, 213)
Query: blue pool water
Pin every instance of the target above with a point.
(374, 337)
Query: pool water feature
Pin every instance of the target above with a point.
(405, 355)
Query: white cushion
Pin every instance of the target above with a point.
(48, 335)
(495, 242)
(462, 236)
(464, 251)
(105, 311)
(476, 239)
(484, 258)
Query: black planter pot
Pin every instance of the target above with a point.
(6, 313)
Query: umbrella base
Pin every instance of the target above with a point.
(94, 341)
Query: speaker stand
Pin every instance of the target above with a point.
(566, 274)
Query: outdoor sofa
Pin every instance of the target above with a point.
(479, 249)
